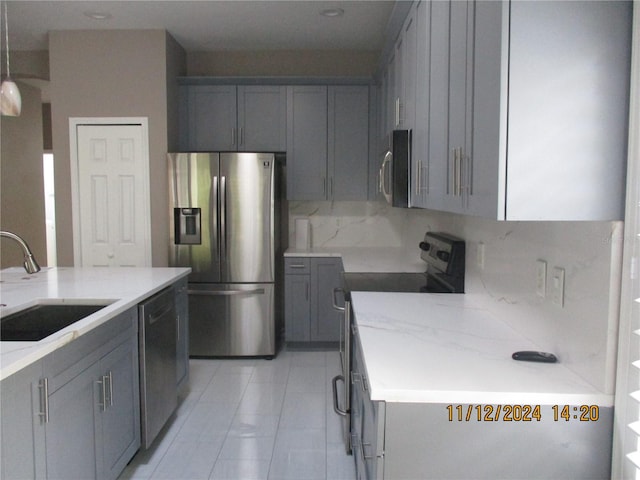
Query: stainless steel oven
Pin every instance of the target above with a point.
(444, 256)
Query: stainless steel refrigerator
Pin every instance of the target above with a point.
(224, 225)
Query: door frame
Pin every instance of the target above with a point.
(74, 123)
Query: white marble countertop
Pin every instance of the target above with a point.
(367, 259)
(120, 288)
(439, 348)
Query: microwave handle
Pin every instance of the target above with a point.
(383, 175)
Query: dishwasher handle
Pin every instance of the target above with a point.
(336, 407)
(154, 317)
(335, 304)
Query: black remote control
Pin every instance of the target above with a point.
(533, 356)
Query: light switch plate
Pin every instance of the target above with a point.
(557, 286)
(541, 278)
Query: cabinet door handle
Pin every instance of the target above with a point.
(241, 136)
(103, 392)
(297, 265)
(110, 379)
(470, 175)
(307, 292)
(43, 386)
(233, 136)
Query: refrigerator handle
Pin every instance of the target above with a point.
(223, 217)
(215, 215)
(226, 293)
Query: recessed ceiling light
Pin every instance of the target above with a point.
(332, 12)
(98, 15)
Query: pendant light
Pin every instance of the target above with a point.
(10, 100)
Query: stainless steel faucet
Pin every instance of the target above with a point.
(30, 264)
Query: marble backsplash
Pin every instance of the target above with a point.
(582, 333)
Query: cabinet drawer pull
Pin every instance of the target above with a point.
(297, 265)
(43, 386)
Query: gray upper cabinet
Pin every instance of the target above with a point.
(520, 107)
(449, 119)
(262, 118)
(327, 142)
(211, 118)
(420, 136)
(348, 132)
(551, 95)
(307, 142)
(438, 114)
(235, 118)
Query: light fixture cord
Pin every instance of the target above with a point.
(6, 36)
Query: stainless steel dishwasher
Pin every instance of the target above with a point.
(158, 390)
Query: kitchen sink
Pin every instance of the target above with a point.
(42, 320)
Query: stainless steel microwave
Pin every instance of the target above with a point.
(395, 171)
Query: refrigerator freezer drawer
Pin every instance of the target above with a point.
(230, 320)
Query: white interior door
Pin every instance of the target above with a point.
(112, 204)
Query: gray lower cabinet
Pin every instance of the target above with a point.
(75, 413)
(309, 312)
(392, 440)
(21, 434)
(182, 332)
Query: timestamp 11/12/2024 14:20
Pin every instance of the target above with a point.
(521, 413)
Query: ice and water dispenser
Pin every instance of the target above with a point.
(187, 226)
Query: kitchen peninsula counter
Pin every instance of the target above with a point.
(120, 288)
(438, 348)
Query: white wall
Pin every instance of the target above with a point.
(582, 333)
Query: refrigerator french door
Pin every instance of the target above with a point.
(223, 227)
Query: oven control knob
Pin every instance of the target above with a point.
(443, 255)
(425, 246)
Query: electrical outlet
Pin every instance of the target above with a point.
(541, 278)
(480, 256)
(557, 286)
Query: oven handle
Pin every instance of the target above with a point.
(335, 304)
(336, 407)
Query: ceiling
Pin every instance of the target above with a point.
(200, 25)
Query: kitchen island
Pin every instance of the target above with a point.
(437, 395)
(119, 288)
(71, 401)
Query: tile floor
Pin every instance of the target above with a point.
(252, 419)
